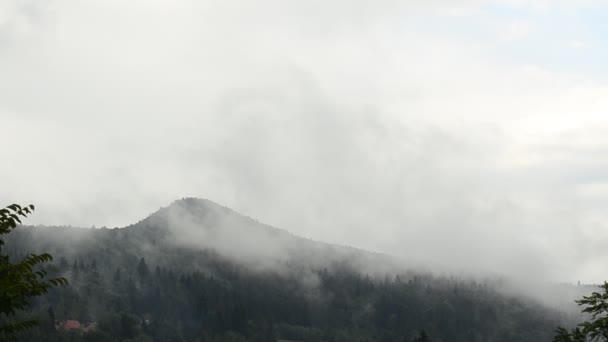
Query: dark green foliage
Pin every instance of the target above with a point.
(227, 302)
(20, 281)
(196, 294)
(576, 335)
(422, 338)
(595, 329)
(142, 270)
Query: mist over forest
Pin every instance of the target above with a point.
(198, 271)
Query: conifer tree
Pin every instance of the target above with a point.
(142, 270)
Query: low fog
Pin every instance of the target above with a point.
(203, 225)
(390, 128)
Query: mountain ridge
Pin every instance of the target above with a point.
(200, 224)
(254, 275)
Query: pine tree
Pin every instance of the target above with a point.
(143, 270)
(63, 263)
(423, 337)
(117, 275)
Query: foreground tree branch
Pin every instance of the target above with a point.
(20, 281)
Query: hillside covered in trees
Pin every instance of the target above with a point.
(196, 271)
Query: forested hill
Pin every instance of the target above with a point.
(197, 271)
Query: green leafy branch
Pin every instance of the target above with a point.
(595, 329)
(22, 280)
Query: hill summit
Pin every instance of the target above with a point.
(197, 271)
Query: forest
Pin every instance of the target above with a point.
(139, 283)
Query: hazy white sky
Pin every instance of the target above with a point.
(463, 134)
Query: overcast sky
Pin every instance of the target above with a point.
(465, 134)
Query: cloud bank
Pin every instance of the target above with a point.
(359, 123)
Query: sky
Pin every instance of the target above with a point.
(466, 135)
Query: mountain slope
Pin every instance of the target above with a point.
(197, 271)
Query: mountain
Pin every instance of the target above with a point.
(198, 271)
(194, 226)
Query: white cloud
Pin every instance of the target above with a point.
(517, 30)
(576, 44)
(334, 120)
